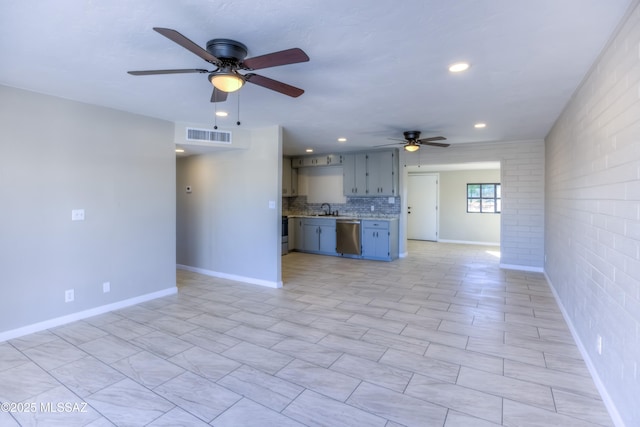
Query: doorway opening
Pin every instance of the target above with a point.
(437, 204)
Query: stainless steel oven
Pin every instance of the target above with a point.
(285, 235)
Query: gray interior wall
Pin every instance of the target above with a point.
(226, 226)
(59, 155)
(522, 178)
(455, 222)
(593, 217)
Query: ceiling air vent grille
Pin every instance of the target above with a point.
(208, 135)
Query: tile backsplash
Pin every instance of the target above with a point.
(355, 206)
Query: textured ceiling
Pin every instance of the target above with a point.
(377, 67)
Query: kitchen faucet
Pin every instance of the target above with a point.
(327, 212)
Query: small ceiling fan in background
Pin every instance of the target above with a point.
(412, 141)
(228, 56)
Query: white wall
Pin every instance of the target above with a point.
(225, 226)
(456, 224)
(59, 155)
(522, 178)
(593, 217)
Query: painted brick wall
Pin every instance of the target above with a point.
(593, 218)
(522, 178)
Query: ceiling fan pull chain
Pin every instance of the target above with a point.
(215, 116)
(238, 122)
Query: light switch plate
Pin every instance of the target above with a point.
(77, 215)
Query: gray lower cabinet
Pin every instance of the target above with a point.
(318, 235)
(380, 239)
(298, 235)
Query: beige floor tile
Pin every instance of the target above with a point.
(315, 410)
(506, 387)
(397, 407)
(128, 403)
(204, 363)
(266, 389)
(247, 413)
(462, 399)
(198, 396)
(434, 368)
(521, 414)
(258, 357)
(147, 369)
(467, 358)
(438, 338)
(549, 377)
(373, 372)
(330, 383)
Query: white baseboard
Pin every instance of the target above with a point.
(58, 321)
(604, 394)
(468, 242)
(522, 268)
(244, 279)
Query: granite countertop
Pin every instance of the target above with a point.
(375, 218)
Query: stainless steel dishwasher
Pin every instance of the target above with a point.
(348, 236)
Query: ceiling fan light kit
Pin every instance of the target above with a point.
(226, 81)
(411, 147)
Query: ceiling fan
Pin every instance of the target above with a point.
(228, 56)
(412, 141)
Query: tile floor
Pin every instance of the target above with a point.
(440, 338)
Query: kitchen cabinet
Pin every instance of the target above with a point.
(382, 173)
(319, 235)
(311, 161)
(298, 234)
(289, 178)
(354, 174)
(373, 173)
(380, 239)
(292, 234)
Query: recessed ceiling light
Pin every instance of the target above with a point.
(309, 150)
(179, 150)
(480, 125)
(222, 113)
(458, 67)
(342, 139)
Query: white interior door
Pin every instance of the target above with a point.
(422, 203)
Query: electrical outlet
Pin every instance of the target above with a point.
(599, 344)
(106, 287)
(68, 295)
(373, 208)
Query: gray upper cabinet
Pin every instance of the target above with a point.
(311, 161)
(289, 178)
(373, 173)
(354, 171)
(365, 174)
(382, 173)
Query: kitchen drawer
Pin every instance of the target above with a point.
(378, 225)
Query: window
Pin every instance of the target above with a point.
(483, 198)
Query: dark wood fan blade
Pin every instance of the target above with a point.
(434, 144)
(433, 138)
(218, 95)
(178, 38)
(178, 71)
(395, 143)
(284, 57)
(274, 85)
